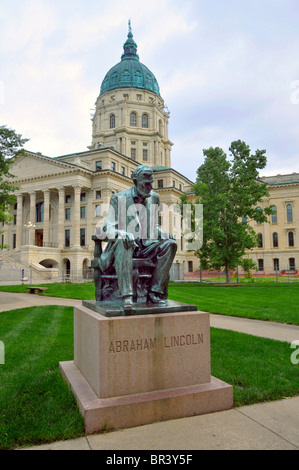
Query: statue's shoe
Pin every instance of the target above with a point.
(127, 304)
(154, 298)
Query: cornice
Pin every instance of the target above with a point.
(51, 175)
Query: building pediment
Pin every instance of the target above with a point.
(32, 166)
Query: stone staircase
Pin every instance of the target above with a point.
(13, 271)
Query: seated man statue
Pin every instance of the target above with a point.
(132, 230)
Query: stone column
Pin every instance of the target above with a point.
(60, 236)
(89, 218)
(5, 235)
(19, 227)
(167, 157)
(46, 228)
(156, 153)
(32, 207)
(76, 217)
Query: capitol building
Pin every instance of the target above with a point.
(60, 200)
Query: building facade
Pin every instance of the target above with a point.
(278, 249)
(61, 200)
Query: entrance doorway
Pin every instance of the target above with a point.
(39, 238)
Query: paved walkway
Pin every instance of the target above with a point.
(11, 301)
(264, 426)
(266, 329)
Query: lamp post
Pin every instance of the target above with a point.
(29, 226)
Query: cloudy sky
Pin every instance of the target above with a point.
(227, 70)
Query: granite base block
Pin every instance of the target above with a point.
(134, 370)
(144, 408)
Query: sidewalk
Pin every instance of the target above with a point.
(12, 300)
(264, 426)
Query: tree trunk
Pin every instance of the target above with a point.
(227, 273)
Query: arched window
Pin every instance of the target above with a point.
(112, 121)
(145, 121)
(258, 209)
(289, 213)
(291, 238)
(260, 240)
(133, 120)
(275, 240)
(274, 215)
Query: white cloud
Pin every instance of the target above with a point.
(224, 68)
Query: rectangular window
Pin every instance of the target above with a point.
(99, 165)
(133, 154)
(82, 236)
(276, 264)
(139, 97)
(15, 219)
(144, 155)
(98, 210)
(98, 194)
(123, 170)
(180, 186)
(14, 240)
(67, 237)
(261, 265)
(126, 96)
(291, 239)
(83, 197)
(82, 212)
(68, 213)
(292, 264)
(39, 212)
(173, 184)
(160, 183)
(113, 166)
(67, 198)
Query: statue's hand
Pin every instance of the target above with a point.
(128, 238)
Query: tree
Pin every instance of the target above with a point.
(230, 192)
(247, 264)
(10, 147)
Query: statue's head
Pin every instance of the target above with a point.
(143, 177)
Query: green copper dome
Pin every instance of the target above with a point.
(129, 72)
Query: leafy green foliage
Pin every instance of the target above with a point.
(230, 192)
(10, 147)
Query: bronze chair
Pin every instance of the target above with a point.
(106, 283)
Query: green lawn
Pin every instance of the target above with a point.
(278, 302)
(272, 302)
(36, 405)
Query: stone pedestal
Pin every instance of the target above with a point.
(129, 371)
